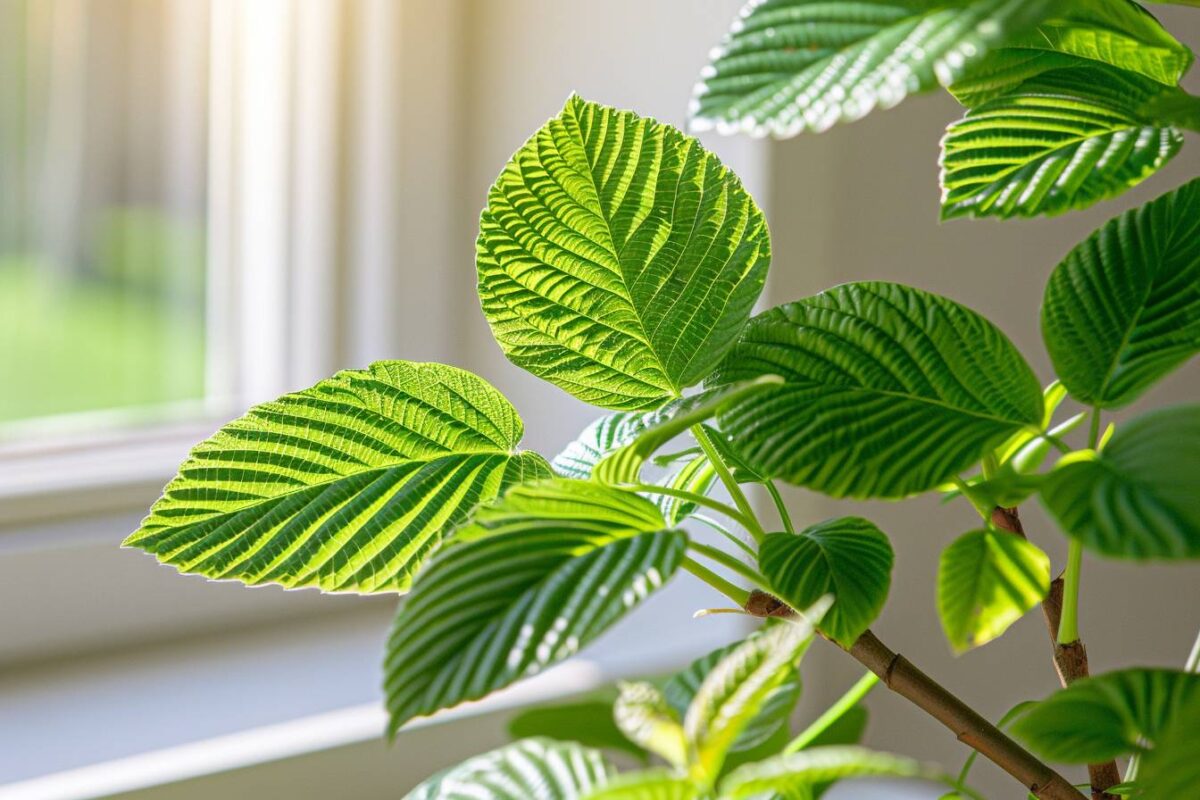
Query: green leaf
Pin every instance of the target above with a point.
(538, 575)
(1171, 769)
(889, 391)
(531, 769)
(651, 784)
(797, 774)
(681, 689)
(587, 722)
(1103, 717)
(624, 465)
(1138, 498)
(736, 690)
(1062, 141)
(644, 716)
(347, 486)
(1123, 308)
(847, 557)
(696, 476)
(788, 66)
(617, 258)
(987, 580)
(601, 438)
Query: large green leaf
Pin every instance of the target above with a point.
(618, 258)
(789, 66)
(797, 775)
(1116, 33)
(1123, 308)
(736, 690)
(539, 574)
(346, 486)
(651, 784)
(1172, 768)
(1062, 141)
(643, 714)
(1103, 717)
(531, 769)
(847, 557)
(888, 391)
(987, 580)
(681, 689)
(1138, 499)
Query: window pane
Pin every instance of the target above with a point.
(102, 198)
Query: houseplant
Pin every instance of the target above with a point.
(619, 260)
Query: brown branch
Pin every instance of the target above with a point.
(1070, 660)
(901, 676)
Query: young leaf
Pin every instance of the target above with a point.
(987, 580)
(847, 557)
(1172, 769)
(697, 476)
(617, 258)
(788, 66)
(797, 774)
(737, 689)
(644, 716)
(1062, 141)
(888, 391)
(681, 689)
(1138, 498)
(651, 784)
(531, 769)
(346, 486)
(539, 574)
(1103, 717)
(602, 437)
(1123, 309)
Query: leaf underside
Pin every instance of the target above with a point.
(1123, 308)
(346, 486)
(847, 557)
(536, 576)
(1138, 499)
(789, 66)
(617, 258)
(987, 580)
(888, 391)
(1062, 141)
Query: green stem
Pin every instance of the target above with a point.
(784, 517)
(735, 491)
(835, 712)
(734, 593)
(698, 499)
(983, 508)
(728, 534)
(732, 563)
(1068, 627)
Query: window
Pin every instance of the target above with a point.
(103, 149)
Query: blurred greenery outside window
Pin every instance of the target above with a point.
(103, 149)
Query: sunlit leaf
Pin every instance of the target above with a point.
(538, 575)
(588, 722)
(797, 774)
(847, 557)
(888, 391)
(987, 580)
(1138, 499)
(789, 66)
(1061, 141)
(346, 486)
(653, 784)
(1123, 308)
(617, 258)
(644, 717)
(531, 769)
